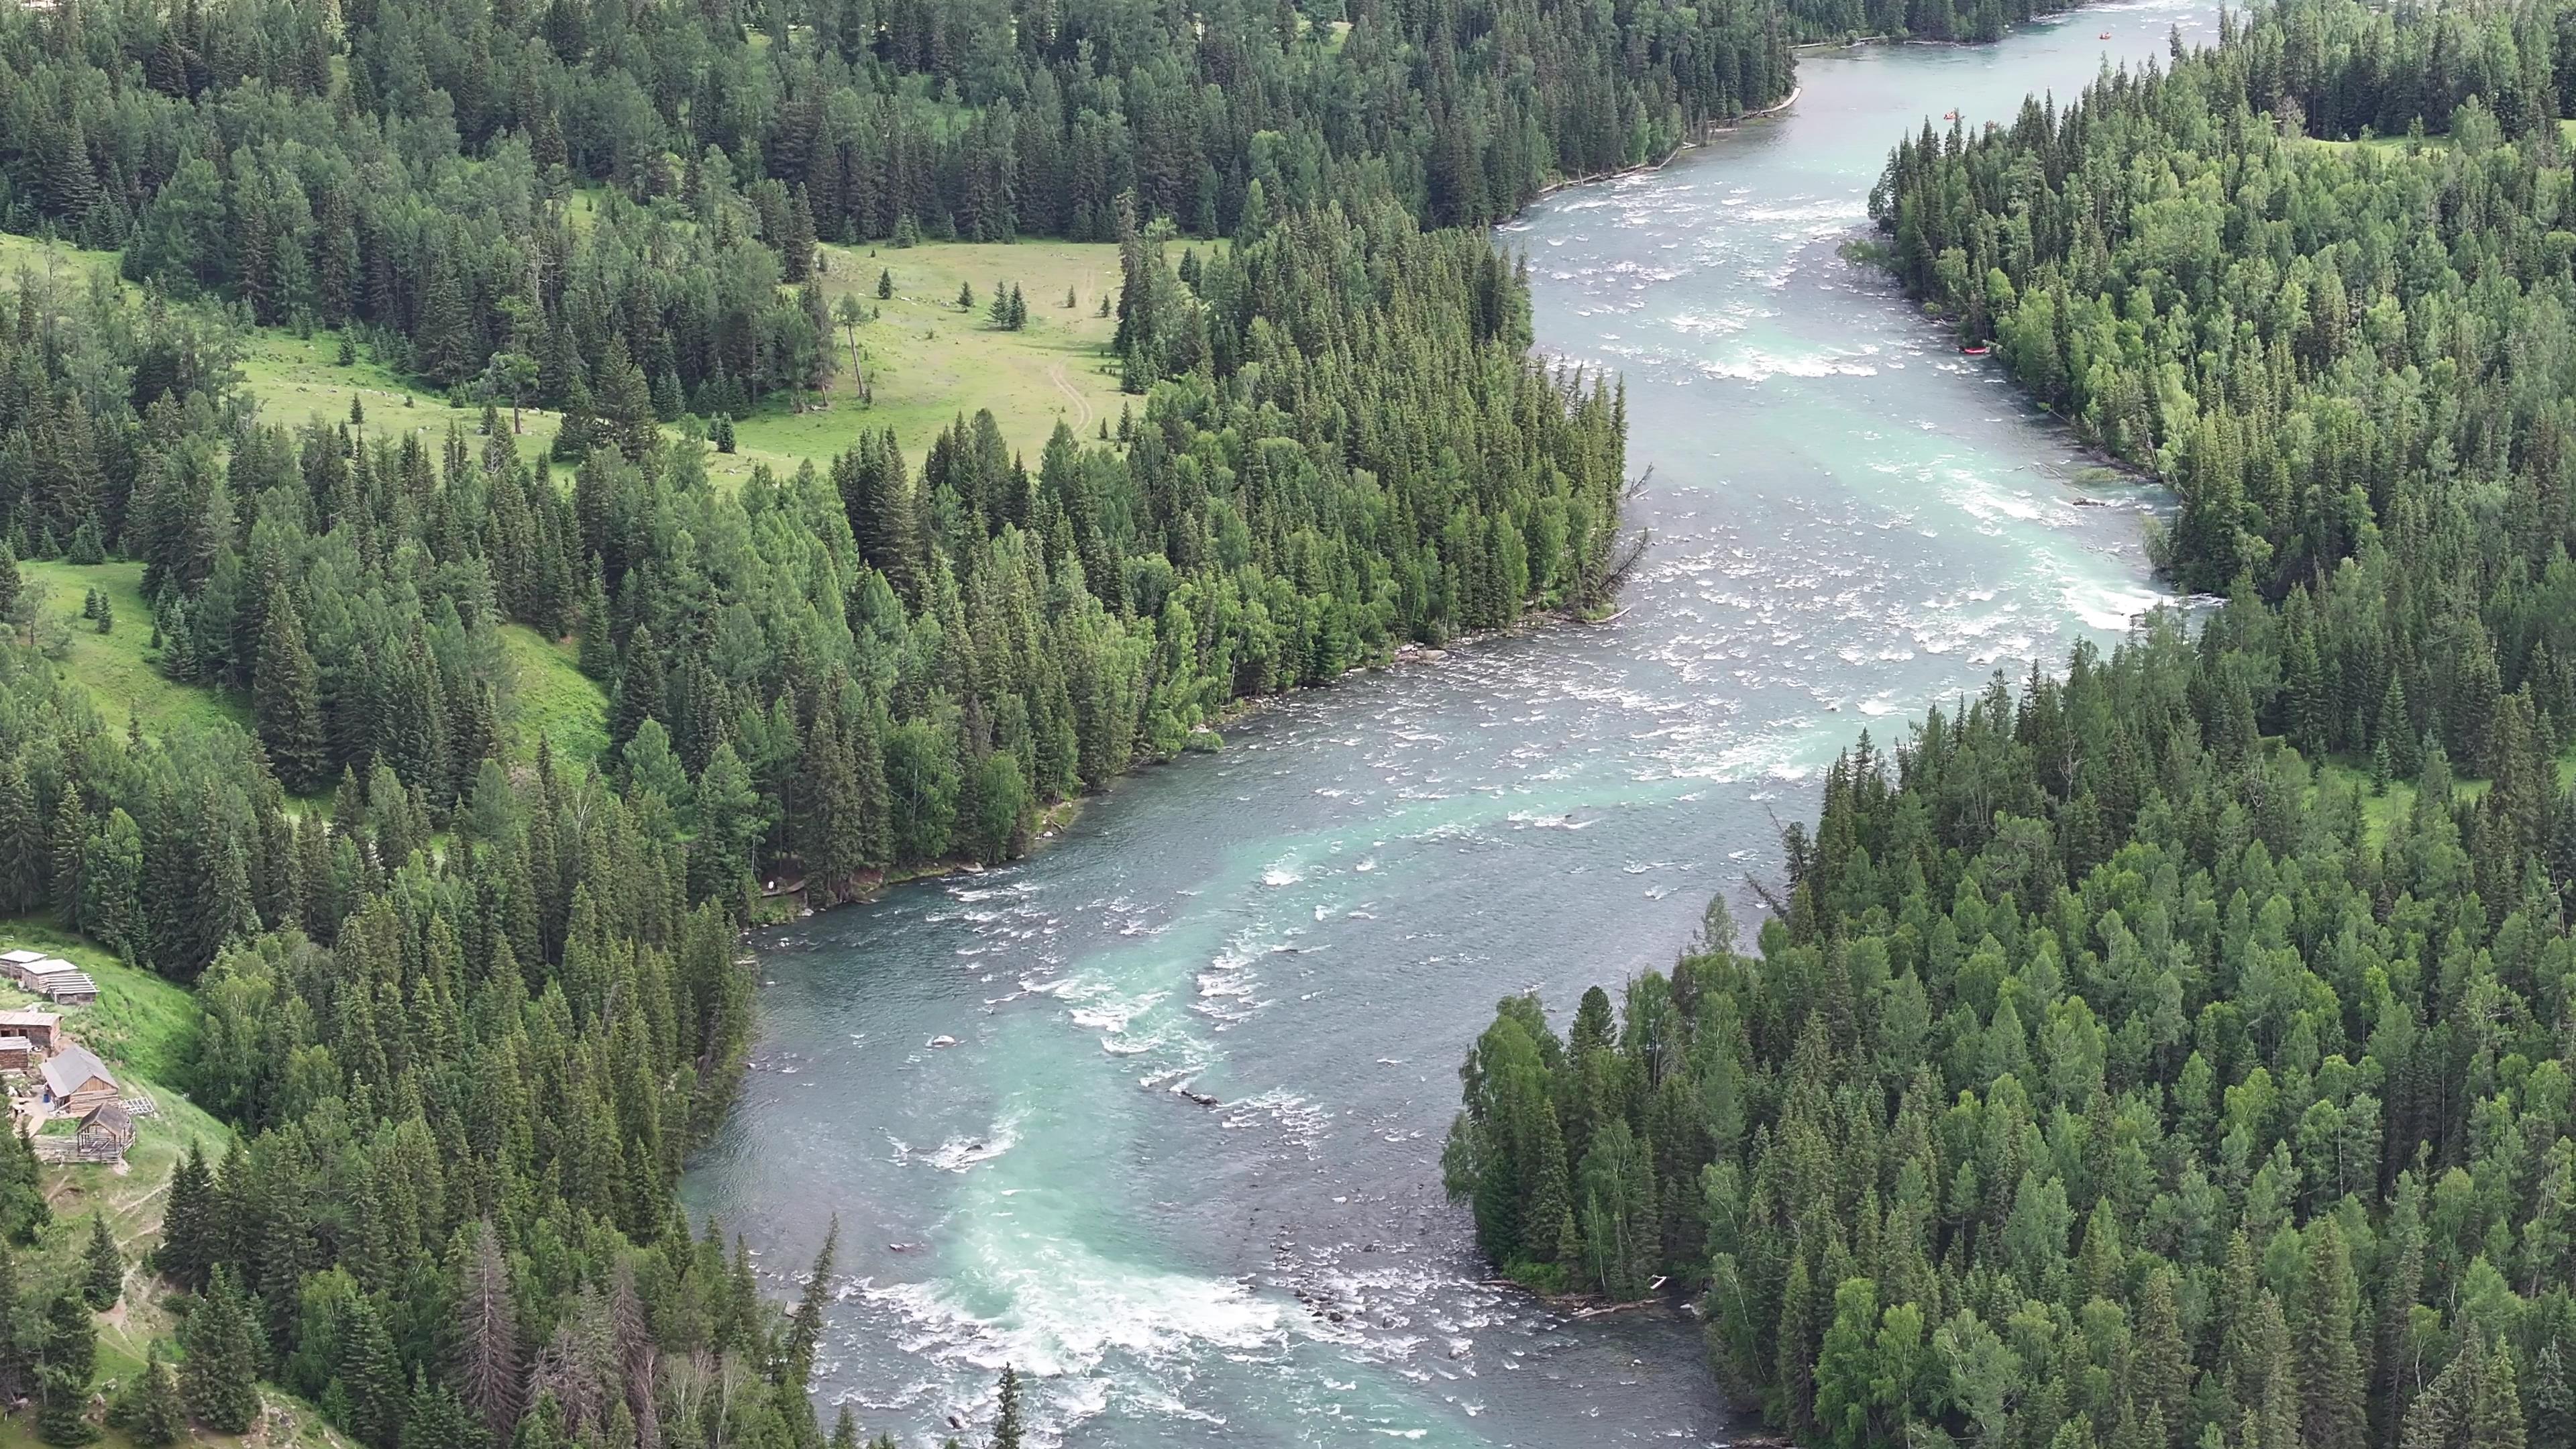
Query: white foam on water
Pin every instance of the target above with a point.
(960, 1154)
(2111, 607)
(1754, 365)
(1088, 1332)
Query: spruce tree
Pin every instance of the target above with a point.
(487, 1353)
(286, 706)
(885, 283)
(2334, 1411)
(70, 838)
(189, 1249)
(103, 1273)
(1007, 1429)
(218, 1377)
(639, 688)
(148, 1409)
(23, 861)
(70, 1358)
(577, 433)
(626, 413)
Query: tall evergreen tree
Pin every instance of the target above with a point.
(286, 704)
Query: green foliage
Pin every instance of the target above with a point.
(2050, 1107)
(147, 1408)
(2268, 325)
(102, 1267)
(218, 1377)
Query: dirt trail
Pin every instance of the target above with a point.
(1081, 405)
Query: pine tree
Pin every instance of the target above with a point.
(965, 296)
(286, 706)
(885, 283)
(103, 1276)
(70, 1358)
(805, 1329)
(148, 1410)
(189, 1246)
(640, 691)
(1007, 1429)
(218, 1377)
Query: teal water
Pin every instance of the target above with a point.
(1850, 521)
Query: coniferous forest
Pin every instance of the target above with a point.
(2119, 1067)
(469, 1003)
(2176, 1051)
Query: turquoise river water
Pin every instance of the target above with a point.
(1850, 521)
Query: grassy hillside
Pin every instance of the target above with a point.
(142, 1026)
(926, 361)
(551, 698)
(116, 667)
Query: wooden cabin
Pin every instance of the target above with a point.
(105, 1132)
(76, 1081)
(17, 1054)
(42, 1029)
(35, 974)
(68, 988)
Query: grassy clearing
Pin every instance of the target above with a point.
(2397, 802)
(930, 362)
(59, 260)
(552, 699)
(297, 379)
(116, 667)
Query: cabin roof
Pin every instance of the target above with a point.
(66, 1071)
(110, 1115)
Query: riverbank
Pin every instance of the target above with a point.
(1859, 42)
(1649, 168)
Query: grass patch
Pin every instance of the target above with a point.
(61, 261)
(551, 698)
(116, 667)
(930, 362)
(2382, 810)
(142, 1021)
(297, 379)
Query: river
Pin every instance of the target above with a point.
(1850, 521)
